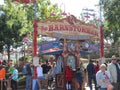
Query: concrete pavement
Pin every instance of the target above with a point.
(86, 88)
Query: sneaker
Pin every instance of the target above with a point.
(53, 88)
(69, 86)
(49, 87)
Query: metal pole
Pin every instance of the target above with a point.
(35, 85)
(101, 34)
(35, 38)
(35, 31)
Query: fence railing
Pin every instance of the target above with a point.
(5, 84)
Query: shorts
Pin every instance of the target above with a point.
(40, 78)
(45, 76)
(103, 88)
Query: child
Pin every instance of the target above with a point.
(68, 77)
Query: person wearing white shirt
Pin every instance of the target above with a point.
(103, 78)
(114, 69)
(40, 76)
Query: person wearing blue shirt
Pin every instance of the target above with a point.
(14, 78)
(91, 75)
(28, 76)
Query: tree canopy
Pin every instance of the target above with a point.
(16, 19)
(112, 20)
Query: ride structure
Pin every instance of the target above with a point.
(70, 33)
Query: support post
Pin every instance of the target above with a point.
(35, 84)
(101, 33)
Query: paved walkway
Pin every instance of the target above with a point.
(86, 88)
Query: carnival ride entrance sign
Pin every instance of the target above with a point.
(64, 28)
(71, 37)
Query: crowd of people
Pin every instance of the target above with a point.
(8, 71)
(104, 76)
(45, 72)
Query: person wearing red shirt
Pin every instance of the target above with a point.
(2, 72)
(68, 76)
(96, 66)
(0, 62)
(2, 76)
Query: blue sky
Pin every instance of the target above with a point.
(73, 6)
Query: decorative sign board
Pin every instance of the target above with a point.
(67, 27)
(71, 37)
(51, 46)
(71, 47)
(91, 47)
(35, 61)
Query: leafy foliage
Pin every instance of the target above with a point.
(112, 20)
(17, 19)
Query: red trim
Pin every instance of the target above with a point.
(35, 38)
(101, 43)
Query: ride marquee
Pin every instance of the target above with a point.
(67, 27)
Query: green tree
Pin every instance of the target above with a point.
(10, 25)
(17, 20)
(112, 19)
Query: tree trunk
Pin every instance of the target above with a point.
(8, 51)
